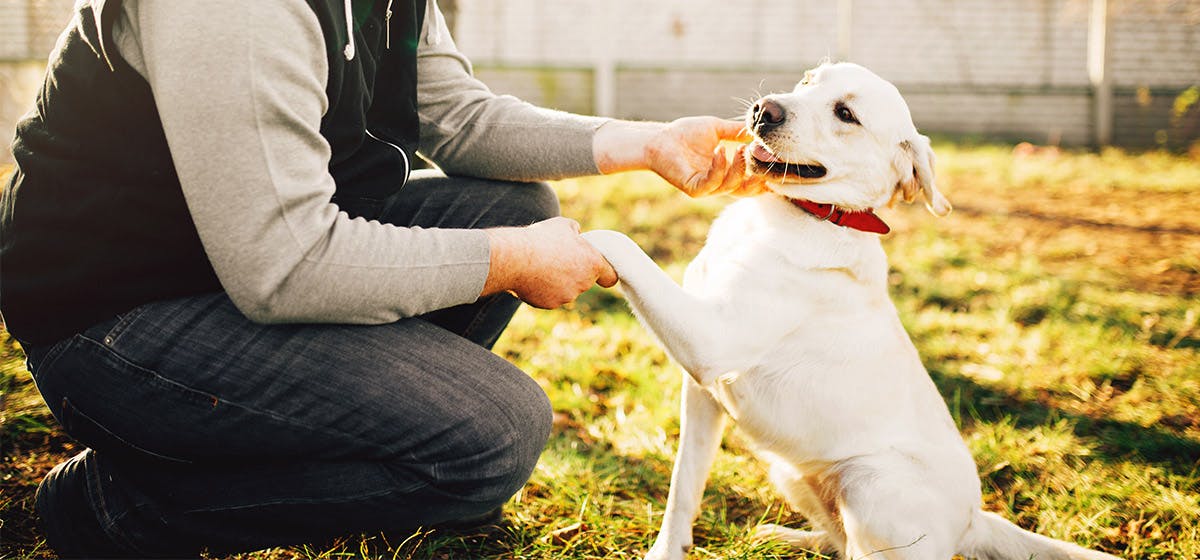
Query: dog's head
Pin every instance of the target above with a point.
(845, 137)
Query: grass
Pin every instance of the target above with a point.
(1056, 310)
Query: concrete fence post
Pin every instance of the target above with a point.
(604, 65)
(1100, 71)
(845, 29)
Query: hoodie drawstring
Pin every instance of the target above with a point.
(349, 52)
(387, 26)
(433, 35)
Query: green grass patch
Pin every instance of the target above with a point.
(1062, 333)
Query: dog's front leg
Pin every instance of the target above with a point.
(693, 331)
(701, 423)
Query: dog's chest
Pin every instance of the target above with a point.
(770, 239)
(797, 414)
(813, 306)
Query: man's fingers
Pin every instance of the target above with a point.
(608, 275)
(746, 183)
(735, 177)
(712, 180)
(735, 180)
(690, 157)
(733, 130)
(572, 224)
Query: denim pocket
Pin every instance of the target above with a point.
(112, 330)
(87, 431)
(111, 404)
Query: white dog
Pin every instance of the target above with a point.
(784, 324)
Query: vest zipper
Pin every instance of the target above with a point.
(403, 156)
(387, 25)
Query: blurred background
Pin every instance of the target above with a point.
(1057, 309)
(1058, 72)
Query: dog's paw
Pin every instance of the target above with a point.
(663, 550)
(807, 540)
(614, 245)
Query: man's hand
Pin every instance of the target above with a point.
(546, 264)
(686, 152)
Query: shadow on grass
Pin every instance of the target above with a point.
(1118, 440)
(601, 301)
(1068, 220)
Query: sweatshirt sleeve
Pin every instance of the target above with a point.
(468, 130)
(240, 89)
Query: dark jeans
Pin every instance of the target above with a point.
(206, 430)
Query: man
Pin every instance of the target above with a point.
(230, 288)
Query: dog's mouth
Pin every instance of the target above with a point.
(763, 162)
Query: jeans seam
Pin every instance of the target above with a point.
(478, 318)
(123, 322)
(74, 411)
(57, 350)
(201, 397)
(253, 410)
(108, 522)
(340, 499)
(291, 422)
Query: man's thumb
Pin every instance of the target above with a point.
(733, 130)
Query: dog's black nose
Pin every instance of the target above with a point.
(767, 115)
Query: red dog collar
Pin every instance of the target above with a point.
(865, 220)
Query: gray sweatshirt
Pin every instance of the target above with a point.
(240, 89)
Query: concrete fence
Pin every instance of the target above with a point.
(1062, 115)
(1072, 72)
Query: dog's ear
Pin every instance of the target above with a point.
(914, 163)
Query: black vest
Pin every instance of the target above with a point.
(94, 222)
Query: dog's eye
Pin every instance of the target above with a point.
(844, 114)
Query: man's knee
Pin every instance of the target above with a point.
(526, 203)
(544, 201)
(503, 441)
(529, 431)
(518, 433)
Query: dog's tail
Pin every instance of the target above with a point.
(992, 537)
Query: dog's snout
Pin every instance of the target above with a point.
(767, 115)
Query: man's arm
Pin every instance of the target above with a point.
(240, 89)
(467, 129)
(687, 152)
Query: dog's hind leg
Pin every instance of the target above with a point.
(701, 423)
(805, 498)
(816, 541)
(893, 515)
(992, 537)
(693, 331)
